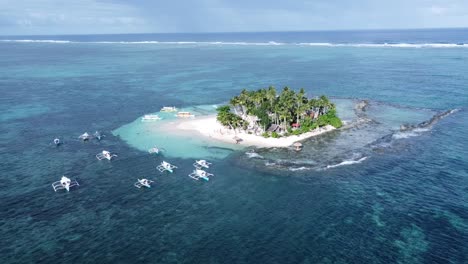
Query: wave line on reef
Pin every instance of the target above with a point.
(242, 43)
(347, 162)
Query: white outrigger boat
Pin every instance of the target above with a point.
(57, 141)
(198, 173)
(154, 150)
(105, 155)
(64, 183)
(201, 164)
(169, 109)
(143, 183)
(166, 166)
(150, 118)
(85, 136)
(185, 114)
(98, 135)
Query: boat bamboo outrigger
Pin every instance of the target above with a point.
(64, 183)
(185, 114)
(143, 183)
(85, 136)
(169, 109)
(166, 166)
(150, 118)
(154, 150)
(198, 173)
(98, 135)
(105, 155)
(201, 164)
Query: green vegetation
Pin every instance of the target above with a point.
(270, 114)
(226, 118)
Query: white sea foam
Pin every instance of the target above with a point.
(347, 162)
(410, 133)
(401, 135)
(297, 169)
(270, 43)
(253, 155)
(391, 45)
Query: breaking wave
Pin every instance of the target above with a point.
(298, 169)
(411, 133)
(347, 162)
(269, 43)
(252, 154)
(391, 45)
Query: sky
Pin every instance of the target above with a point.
(51, 17)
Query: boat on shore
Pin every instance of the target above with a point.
(169, 109)
(185, 115)
(150, 118)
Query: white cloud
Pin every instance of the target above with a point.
(139, 16)
(438, 10)
(65, 17)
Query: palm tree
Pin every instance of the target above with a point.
(244, 100)
(301, 100)
(324, 104)
(286, 104)
(235, 101)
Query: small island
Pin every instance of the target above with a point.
(261, 118)
(268, 114)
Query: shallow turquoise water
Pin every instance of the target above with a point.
(173, 142)
(407, 202)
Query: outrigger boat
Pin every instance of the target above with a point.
(197, 174)
(64, 183)
(153, 150)
(166, 166)
(143, 183)
(201, 164)
(150, 118)
(105, 155)
(57, 141)
(85, 136)
(185, 114)
(98, 135)
(169, 109)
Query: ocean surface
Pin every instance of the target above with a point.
(369, 193)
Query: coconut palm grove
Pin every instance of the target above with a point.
(267, 113)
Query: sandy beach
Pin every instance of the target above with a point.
(209, 127)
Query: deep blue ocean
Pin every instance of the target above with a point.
(407, 202)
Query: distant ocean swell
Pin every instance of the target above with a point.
(270, 43)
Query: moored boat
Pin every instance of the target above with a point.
(185, 114)
(169, 109)
(150, 118)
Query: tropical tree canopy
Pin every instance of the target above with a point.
(283, 109)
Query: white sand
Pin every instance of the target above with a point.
(208, 126)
